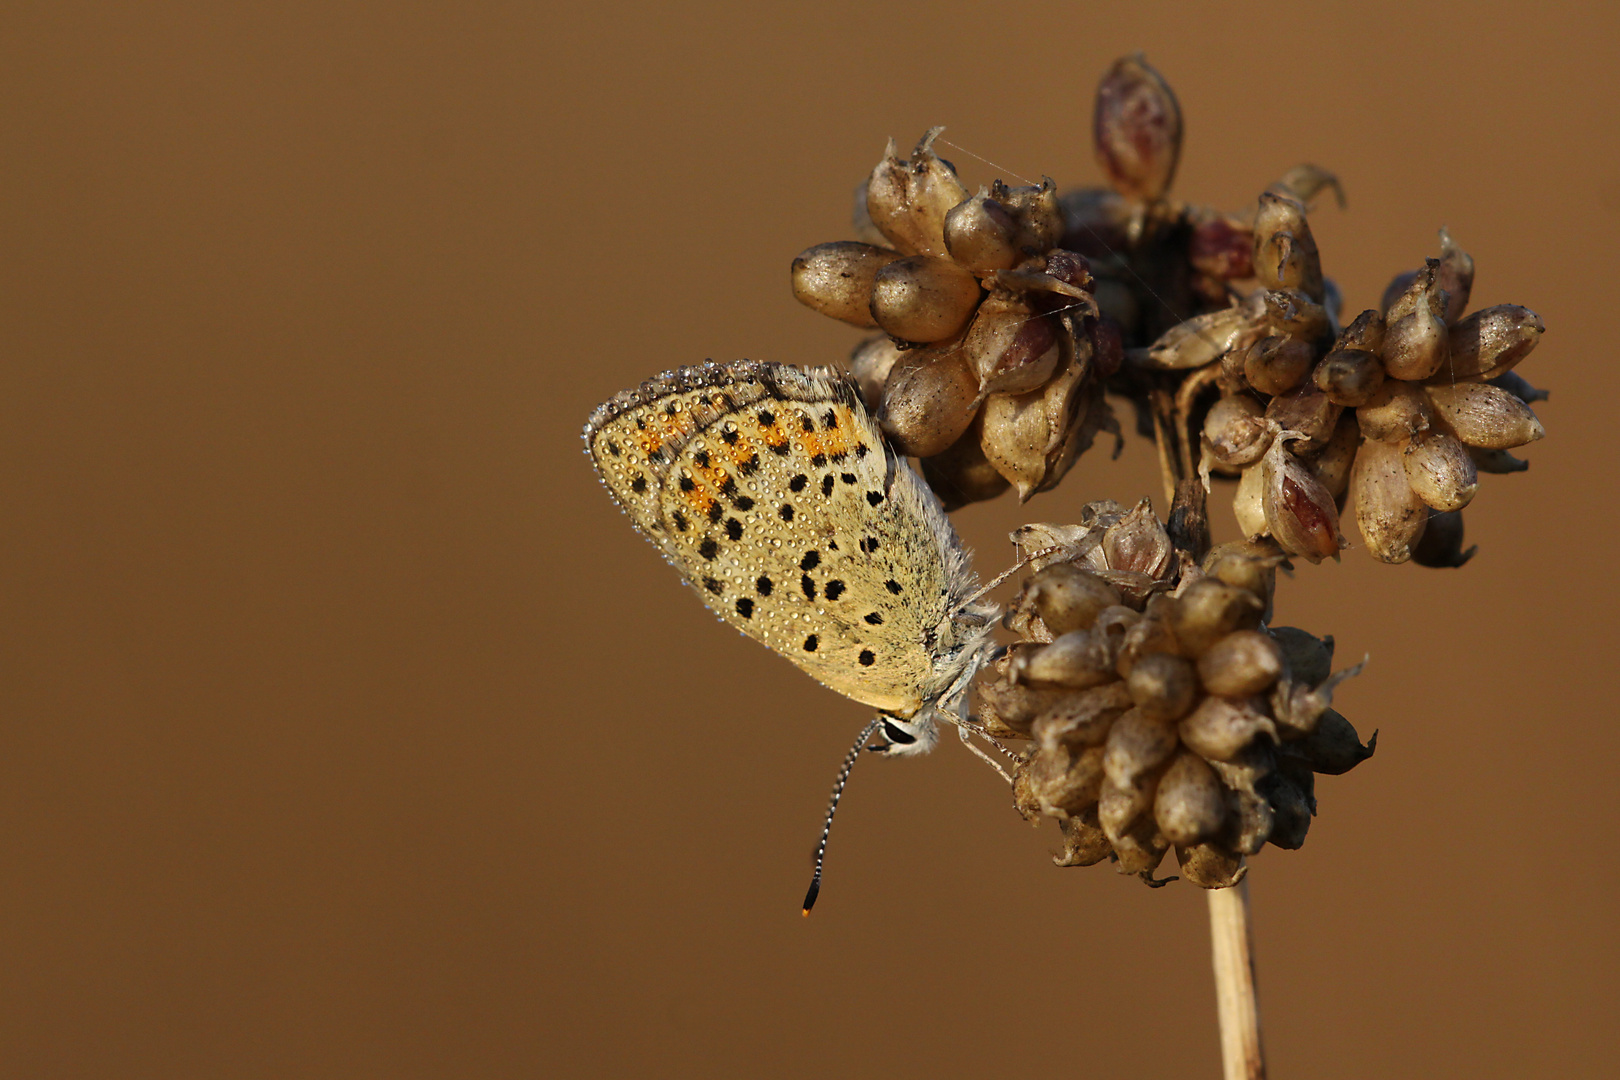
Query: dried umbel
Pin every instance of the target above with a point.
(1400, 411)
(1160, 710)
(991, 365)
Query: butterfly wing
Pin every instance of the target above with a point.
(771, 490)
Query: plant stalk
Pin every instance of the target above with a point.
(1242, 1057)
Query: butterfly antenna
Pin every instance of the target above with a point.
(832, 808)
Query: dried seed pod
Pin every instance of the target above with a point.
(1247, 564)
(1306, 411)
(1017, 707)
(1211, 866)
(1300, 513)
(1514, 383)
(980, 234)
(1332, 747)
(1388, 512)
(1136, 129)
(1440, 471)
(1033, 438)
(1455, 275)
(1242, 664)
(1297, 706)
(1011, 348)
(1138, 543)
(1163, 686)
(929, 400)
(1137, 746)
(1396, 411)
(1498, 462)
(1084, 842)
(1082, 718)
(1235, 433)
(1489, 343)
(1035, 208)
(1222, 247)
(1309, 658)
(908, 200)
(922, 298)
(1252, 820)
(1416, 341)
(1277, 364)
(1056, 781)
(870, 363)
(1204, 338)
(1249, 504)
(1219, 728)
(1442, 542)
(1065, 597)
(1291, 809)
(1076, 660)
(961, 474)
(1396, 288)
(1485, 416)
(1285, 255)
(1207, 610)
(1349, 376)
(1291, 312)
(1189, 805)
(836, 279)
(1148, 636)
(1365, 332)
(1332, 464)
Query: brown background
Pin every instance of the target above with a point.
(348, 730)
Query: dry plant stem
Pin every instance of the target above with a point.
(1164, 437)
(1241, 1055)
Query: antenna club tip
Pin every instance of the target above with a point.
(810, 897)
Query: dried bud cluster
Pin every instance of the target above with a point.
(1160, 709)
(990, 364)
(1401, 409)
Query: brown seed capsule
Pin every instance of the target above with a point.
(1440, 471)
(1220, 728)
(1163, 686)
(1300, 514)
(1396, 288)
(1297, 706)
(1084, 842)
(1204, 338)
(1235, 432)
(1138, 543)
(870, 363)
(1496, 462)
(836, 279)
(1308, 411)
(1241, 664)
(1065, 597)
(1082, 718)
(1417, 342)
(1349, 376)
(1249, 504)
(1011, 348)
(1455, 276)
(1058, 781)
(1207, 610)
(1332, 464)
(1136, 129)
(1489, 343)
(1247, 564)
(1388, 512)
(1221, 246)
(1149, 635)
(961, 474)
(923, 298)
(1017, 707)
(1033, 438)
(1332, 747)
(1137, 746)
(1211, 866)
(1514, 383)
(980, 234)
(1277, 364)
(1252, 823)
(1485, 416)
(929, 400)
(1076, 660)
(1442, 543)
(1035, 208)
(1291, 312)
(908, 200)
(1395, 412)
(1366, 333)
(1189, 804)
(1285, 255)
